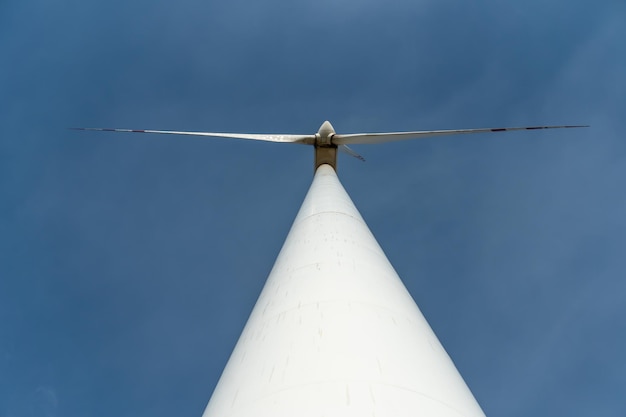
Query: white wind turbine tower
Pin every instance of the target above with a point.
(334, 332)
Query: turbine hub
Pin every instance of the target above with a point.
(324, 135)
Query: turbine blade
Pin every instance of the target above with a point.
(370, 138)
(349, 151)
(306, 139)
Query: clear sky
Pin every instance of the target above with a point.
(129, 263)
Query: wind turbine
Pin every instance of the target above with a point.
(334, 332)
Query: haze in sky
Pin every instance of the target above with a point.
(129, 263)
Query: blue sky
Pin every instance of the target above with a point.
(129, 263)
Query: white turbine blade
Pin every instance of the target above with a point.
(306, 139)
(349, 151)
(370, 138)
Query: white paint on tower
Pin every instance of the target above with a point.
(335, 332)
